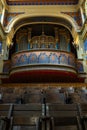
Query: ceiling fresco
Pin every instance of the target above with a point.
(42, 2)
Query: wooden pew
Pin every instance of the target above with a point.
(65, 115)
(58, 114)
(21, 115)
(83, 115)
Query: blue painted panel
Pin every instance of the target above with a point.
(80, 67)
(28, 46)
(53, 58)
(69, 47)
(57, 45)
(85, 45)
(15, 61)
(32, 58)
(63, 59)
(23, 60)
(43, 58)
(71, 61)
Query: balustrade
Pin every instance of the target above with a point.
(43, 57)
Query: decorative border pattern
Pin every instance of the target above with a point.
(9, 16)
(42, 2)
(53, 58)
(32, 59)
(76, 16)
(44, 57)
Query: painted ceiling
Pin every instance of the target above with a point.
(42, 2)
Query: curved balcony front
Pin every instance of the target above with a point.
(43, 65)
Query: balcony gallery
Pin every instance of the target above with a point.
(43, 53)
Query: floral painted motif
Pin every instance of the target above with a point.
(63, 59)
(23, 59)
(53, 58)
(43, 58)
(32, 58)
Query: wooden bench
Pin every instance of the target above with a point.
(32, 115)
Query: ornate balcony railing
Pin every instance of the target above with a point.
(43, 57)
(35, 64)
(50, 57)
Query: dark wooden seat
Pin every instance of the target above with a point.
(56, 114)
(22, 114)
(64, 115)
(83, 115)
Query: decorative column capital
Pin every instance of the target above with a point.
(9, 37)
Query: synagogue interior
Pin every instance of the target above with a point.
(43, 64)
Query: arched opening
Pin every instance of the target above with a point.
(42, 47)
(31, 36)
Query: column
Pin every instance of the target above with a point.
(16, 47)
(80, 48)
(82, 15)
(85, 56)
(56, 38)
(86, 7)
(3, 14)
(29, 37)
(4, 55)
(1, 59)
(5, 50)
(81, 54)
(69, 47)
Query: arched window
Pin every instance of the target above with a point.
(85, 46)
(23, 45)
(63, 44)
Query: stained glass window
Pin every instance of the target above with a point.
(0, 46)
(85, 45)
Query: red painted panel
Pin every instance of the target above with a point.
(43, 76)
